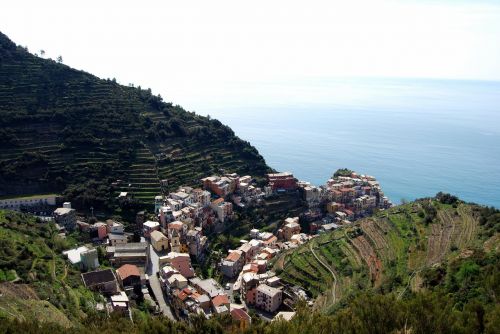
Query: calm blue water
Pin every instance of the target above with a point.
(417, 137)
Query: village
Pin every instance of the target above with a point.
(156, 266)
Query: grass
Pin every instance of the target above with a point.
(398, 237)
(34, 250)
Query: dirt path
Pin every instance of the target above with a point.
(412, 276)
(334, 285)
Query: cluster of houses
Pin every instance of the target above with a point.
(176, 233)
(341, 200)
(129, 259)
(355, 194)
(184, 217)
(189, 294)
(248, 265)
(119, 286)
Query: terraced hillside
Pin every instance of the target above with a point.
(389, 252)
(39, 283)
(66, 131)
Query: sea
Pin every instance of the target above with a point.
(416, 136)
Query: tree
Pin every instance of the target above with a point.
(59, 59)
(42, 52)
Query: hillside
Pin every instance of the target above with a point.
(403, 250)
(453, 279)
(67, 131)
(40, 284)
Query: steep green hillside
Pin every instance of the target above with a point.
(446, 291)
(397, 250)
(40, 284)
(63, 130)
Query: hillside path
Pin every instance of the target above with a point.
(334, 286)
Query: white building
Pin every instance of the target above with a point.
(16, 203)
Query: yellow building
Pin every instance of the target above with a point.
(159, 241)
(332, 207)
(175, 242)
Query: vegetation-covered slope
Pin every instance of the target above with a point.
(40, 284)
(402, 250)
(63, 130)
(453, 291)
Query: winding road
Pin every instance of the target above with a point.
(334, 286)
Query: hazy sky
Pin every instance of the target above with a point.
(186, 49)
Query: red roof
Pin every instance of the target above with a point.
(184, 294)
(218, 201)
(233, 256)
(128, 270)
(183, 265)
(270, 240)
(175, 226)
(220, 300)
(240, 314)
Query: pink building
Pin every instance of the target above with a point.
(102, 230)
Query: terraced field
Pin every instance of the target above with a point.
(385, 252)
(66, 131)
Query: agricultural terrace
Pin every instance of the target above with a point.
(385, 252)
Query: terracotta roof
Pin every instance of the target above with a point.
(220, 300)
(175, 226)
(183, 265)
(218, 201)
(239, 314)
(184, 293)
(128, 270)
(233, 256)
(271, 240)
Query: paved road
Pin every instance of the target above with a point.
(153, 265)
(334, 287)
(154, 282)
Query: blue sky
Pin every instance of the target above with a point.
(183, 48)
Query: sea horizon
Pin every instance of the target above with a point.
(417, 136)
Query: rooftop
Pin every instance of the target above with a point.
(151, 224)
(98, 277)
(220, 300)
(132, 246)
(233, 256)
(128, 270)
(63, 211)
(268, 290)
(117, 236)
(210, 286)
(240, 314)
(74, 254)
(157, 236)
(284, 315)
